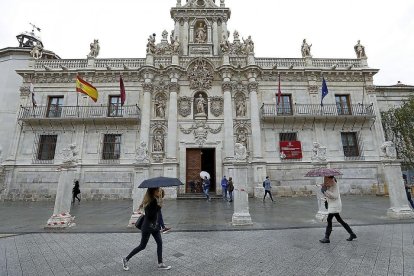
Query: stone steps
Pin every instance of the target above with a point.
(192, 196)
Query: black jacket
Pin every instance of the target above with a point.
(151, 216)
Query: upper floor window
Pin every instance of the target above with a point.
(54, 107)
(285, 105)
(343, 105)
(350, 144)
(111, 147)
(115, 108)
(288, 136)
(46, 147)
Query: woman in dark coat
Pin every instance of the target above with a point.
(75, 192)
(150, 226)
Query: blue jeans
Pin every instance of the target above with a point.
(206, 190)
(230, 196)
(224, 192)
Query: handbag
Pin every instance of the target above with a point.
(139, 222)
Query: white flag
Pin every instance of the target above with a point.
(33, 95)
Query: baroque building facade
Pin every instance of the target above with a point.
(188, 102)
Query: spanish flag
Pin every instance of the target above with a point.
(86, 88)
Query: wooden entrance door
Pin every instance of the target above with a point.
(193, 170)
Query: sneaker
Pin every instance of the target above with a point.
(325, 240)
(163, 266)
(165, 230)
(124, 264)
(351, 237)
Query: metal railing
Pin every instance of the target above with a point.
(271, 110)
(75, 112)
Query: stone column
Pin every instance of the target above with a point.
(228, 120)
(141, 172)
(172, 120)
(185, 39)
(255, 119)
(146, 110)
(215, 38)
(241, 214)
(398, 199)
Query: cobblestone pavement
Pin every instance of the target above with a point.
(379, 250)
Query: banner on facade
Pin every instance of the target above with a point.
(291, 149)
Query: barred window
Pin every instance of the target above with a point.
(111, 147)
(115, 108)
(288, 136)
(47, 147)
(350, 144)
(54, 108)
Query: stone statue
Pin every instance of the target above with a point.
(306, 48)
(94, 49)
(175, 43)
(160, 109)
(201, 33)
(318, 153)
(151, 44)
(164, 35)
(236, 35)
(158, 143)
(360, 50)
(388, 150)
(201, 102)
(240, 109)
(142, 153)
(225, 44)
(240, 152)
(70, 156)
(248, 45)
(242, 138)
(37, 51)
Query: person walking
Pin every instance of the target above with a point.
(268, 189)
(408, 191)
(150, 226)
(206, 187)
(230, 187)
(75, 192)
(224, 183)
(331, 192)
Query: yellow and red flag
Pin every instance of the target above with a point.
(86, 88)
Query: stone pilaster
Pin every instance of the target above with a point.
(241, 215)
(255, 119)
(216, 36)
(228, 121)
(146, 110)
(141, 172)
(172, 121)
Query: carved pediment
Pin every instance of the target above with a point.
(200, 4)
(200, 74)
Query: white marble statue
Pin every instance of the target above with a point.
(248, 45)
(306, 48)
(242, 138)
(359, 50)
(240, 152)
(175, 43)
(201, 33)
(158, 143)
(94, 49)
(388, 150)
(151, 44)
(225, 44)
(201, 102)
(240, 108)
(160, 109)
(37, 51)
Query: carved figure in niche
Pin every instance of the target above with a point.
(225, 44)
(240, 152)
(36, 52)
(201, 33)
(360, 50)
(151, 44)
(242, 138)
(240, 108)
(160, 108)
(94, 49)
(158, 143)
(248, 45)
(201, 104)
(306, 48)
(175, 43)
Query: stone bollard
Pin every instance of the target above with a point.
(241, 215)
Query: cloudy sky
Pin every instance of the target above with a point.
(385, 28)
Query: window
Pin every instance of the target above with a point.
(115, 108)
(54, 108)
(350, 144)
(343, 104)
(288, 136)
(285, 105)
(111, 147)
(47, 147)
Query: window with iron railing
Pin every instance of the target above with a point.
(111, 147)
(343, 104)
(350, 144)
(54, 107)
(285, 105)
(288, 136)
(46, 147)
(115, 108)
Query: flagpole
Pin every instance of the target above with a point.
(77, 103)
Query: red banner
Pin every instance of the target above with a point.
(290, 149)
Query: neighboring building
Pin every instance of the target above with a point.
(188, 102)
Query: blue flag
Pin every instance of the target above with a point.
(324, 90)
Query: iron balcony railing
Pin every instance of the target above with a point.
(315, 110)
(79, 112)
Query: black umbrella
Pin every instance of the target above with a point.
(160, 182)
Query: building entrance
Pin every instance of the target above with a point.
(200, 160)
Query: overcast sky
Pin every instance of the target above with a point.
(385, 28)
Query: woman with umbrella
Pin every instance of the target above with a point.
(331, 192)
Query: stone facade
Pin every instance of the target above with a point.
(198, 92)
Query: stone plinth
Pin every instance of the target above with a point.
(241, 215)
(61, 217)
(141, 174)
(322, 213)
(398, 199)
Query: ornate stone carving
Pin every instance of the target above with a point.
(313, 89)
(239, 86)
(158, 142)
(200, 33)
(216, 106)
(240, 152)
(142, 153)
(200, 74)
(248, 45)
(159, 105)
(240, 105)
(37, 51)
(200, 104)
(225, 44)
(370, 89)
(388, 151)
(360, 50)
(306, 49)
(200, 130)
(318, 153)
(24, 91)
(158, 157)
(148, 87)
(69, 156)
(184, 106)
(174, 87)
(241, 137)
(94, 49)
(151, 44)
(227, 86)
(253, 86)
